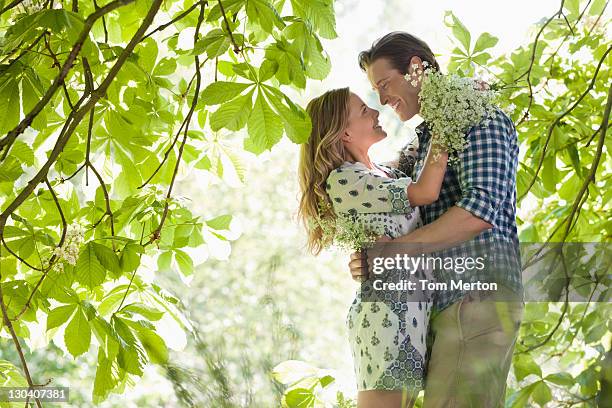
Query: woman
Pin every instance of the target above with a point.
(338, 179)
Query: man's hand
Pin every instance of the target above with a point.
(359, 266)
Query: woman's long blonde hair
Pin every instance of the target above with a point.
(323, 153)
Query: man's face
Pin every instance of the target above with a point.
(393, 89)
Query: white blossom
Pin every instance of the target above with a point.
(451, 105)
(69, 251)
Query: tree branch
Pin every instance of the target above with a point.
(11, 5)
(77, 116)
(558, 119)
(7, 141)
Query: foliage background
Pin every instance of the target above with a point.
(261, 300)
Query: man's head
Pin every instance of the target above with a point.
(387, 61)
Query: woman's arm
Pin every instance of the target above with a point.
(427, 188)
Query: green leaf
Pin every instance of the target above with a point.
(460, 32)
(564, 379)
(262, 13)
(290, 65)
(166, 66)
(221, 222)
(596, 333)
(299, 398)
(485, 41)
(572, 6)
(541, 393)
(233, 115)
(147, 55)
(23, 152)
(265, 128)
(524, 365)
(10, 170)
(597, 7)
(184, 261)
(77, 335)
(295, 120)
(154, 346)
(130, 257)
(107, 258)
(520, 398)
(89, 271)
(107, 338)
(105, 381)
(215, 43)
(11, 375)
(326, 380)
(59, 316)
(145, 311)
(549, 172)
(219, 92)
(481, 59)
(267, 70)
(320, 13)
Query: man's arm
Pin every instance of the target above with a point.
(453, 227)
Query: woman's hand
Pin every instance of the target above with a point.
(358, 265)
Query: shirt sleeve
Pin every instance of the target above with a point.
(485, 168)
(355, 191)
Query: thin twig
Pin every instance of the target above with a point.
(175, 19)
(61, 242)
(127, 290)
(57, 64)
(27, 49)
(11, 329)
(229, 30)
(532, 61)
(157, 232)
(176, 137)
(23, 261)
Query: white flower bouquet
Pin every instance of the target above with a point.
(346, 232)
(451, 105)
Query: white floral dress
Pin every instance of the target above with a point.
(387, 329)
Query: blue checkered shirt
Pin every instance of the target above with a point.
(483, 183)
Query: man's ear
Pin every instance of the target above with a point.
(415, 61)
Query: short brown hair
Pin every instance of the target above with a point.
(398, 47)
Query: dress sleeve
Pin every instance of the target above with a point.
(356, 191)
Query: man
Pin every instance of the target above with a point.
(472, 336)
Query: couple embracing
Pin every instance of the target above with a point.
(456, 345)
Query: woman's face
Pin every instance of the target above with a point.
(363, 129)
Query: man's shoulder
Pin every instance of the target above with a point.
(498, 124)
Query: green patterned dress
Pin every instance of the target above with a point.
(387, 329)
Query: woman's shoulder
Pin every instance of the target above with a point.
(348, 169)
(392, 171)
